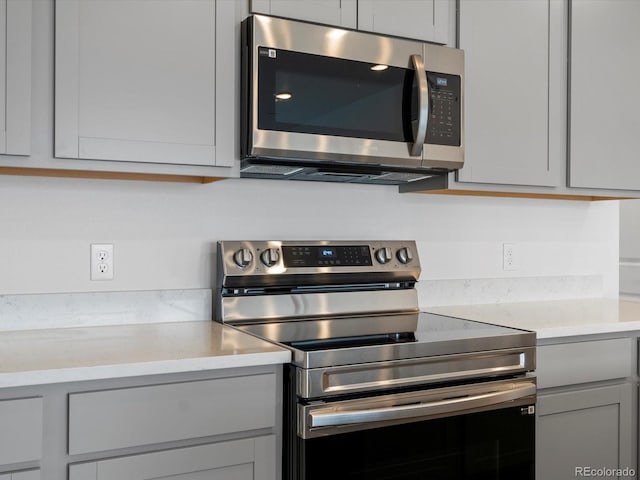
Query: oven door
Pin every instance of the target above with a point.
(472, 432)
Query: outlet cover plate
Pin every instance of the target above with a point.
(102, 261)
(509, 257)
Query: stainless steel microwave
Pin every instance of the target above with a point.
(330, 104)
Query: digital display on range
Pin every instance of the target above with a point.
(326, 256)
(327, 252)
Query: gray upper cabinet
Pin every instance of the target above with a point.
(341, 13)
(137, 81)
(426, 20)
(516, 135)
(15, 77)
(604, 96)
(506, 48)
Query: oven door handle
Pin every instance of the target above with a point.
(449, 406)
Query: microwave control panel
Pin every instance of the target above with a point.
(445, 118)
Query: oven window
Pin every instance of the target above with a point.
(482, 446)
(304, 93)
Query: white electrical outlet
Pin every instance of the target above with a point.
(101, 261)
(509, 259)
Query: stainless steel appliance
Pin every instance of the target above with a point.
(376, 389)
(329, 104)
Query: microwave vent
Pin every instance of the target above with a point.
(261, 169)
(327, 176)
(402, 176)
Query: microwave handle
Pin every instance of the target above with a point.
(420, 126)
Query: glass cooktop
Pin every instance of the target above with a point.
(340, 341)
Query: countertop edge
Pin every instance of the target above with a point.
(611, 317)
(583, 330)
(103, 372)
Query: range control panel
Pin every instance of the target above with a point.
(326, 255)
(278, 258)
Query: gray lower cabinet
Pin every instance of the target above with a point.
(132, 417)
(24, 475)
(158, 414)
(585, 428)
(246, 459)
(586, 408)
(21, 430)
(221, 424)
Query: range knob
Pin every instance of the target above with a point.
(383, 255)
(243, 257)
(404, 255)
(270, 257)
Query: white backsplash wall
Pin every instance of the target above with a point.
(164, 235)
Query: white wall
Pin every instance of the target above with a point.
(165, 233)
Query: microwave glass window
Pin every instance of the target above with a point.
(314, 94)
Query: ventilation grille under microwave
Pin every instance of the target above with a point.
(261, 169)
(332, 173)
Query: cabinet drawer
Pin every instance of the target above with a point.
(129, 417)
(247, 459)
(582, 362)
(20, 430)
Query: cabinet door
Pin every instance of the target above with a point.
(584, 428)
(341, 13)
(426, 20)
(24, 475)
(24, 415)
(136, 80)
(604, 125)
(15, 76)
(248, 459)
(506, 92)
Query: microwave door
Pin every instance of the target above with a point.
(332, 108)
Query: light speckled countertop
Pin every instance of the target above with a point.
(557, 318)
(32, 357)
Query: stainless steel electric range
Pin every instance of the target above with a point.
(377, 389)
